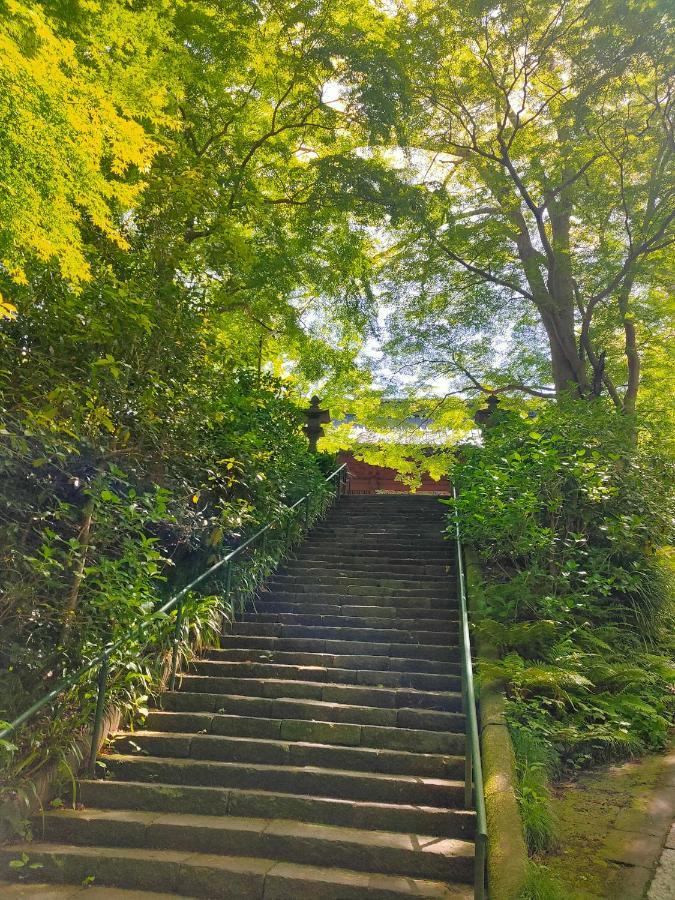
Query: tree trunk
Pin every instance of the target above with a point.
(78, 572)
(565, 362)
(630, 349)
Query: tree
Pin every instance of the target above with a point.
(82, 89)
(538, 193)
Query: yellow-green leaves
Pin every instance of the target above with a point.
(73, 148)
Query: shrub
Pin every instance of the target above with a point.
(568, 511)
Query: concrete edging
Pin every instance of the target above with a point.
(507, 857)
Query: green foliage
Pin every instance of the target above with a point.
(568, 515)
(82, 88)
(541, 884)
(535, 765)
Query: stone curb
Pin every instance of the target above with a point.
(28, 801)
(507, 858)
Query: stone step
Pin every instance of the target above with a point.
(211, 875)
(382, 678)
(383, 524)
(367, 661)
(385, 548)
(380, 582)
(410, 511)
(391, 853)
(302, 585)
(87, 891)
(437, 515)
(318, 781)
(215, 801)
(362, 556)
(376, 528)
(381, 521)
(439, 653)
(399, 600)
(346, 694)
(394, 549)
(346, 734)
(416, 572)
(319, 574)
(371, 565)
(228, 748)
(266, 606)
(399, 621)
(321, 710)
(334, 633)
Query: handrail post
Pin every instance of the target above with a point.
(289, 527)
(227, 590)
(176, 640)
(480, 863)
(98, 714)
(307, 513)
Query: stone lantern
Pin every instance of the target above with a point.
(315, 418)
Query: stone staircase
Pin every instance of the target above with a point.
(319, 753)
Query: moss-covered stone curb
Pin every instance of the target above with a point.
(507, 859)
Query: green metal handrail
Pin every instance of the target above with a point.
(473, 773)
(102, 661)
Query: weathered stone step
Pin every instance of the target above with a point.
(372, 506)
(440, 653)
(382, 525)
(349, 566)
(420, 681)
(321, 782)
(392, 853)
(320, 710)
(399, 600)
(337, 556)
(300, 584)
(33, 891)
(349, 694)
(228, 748)
(264, 605)
(365, 661)
(441, 625)
(399, 527)
(215, 801)
(346, 734)
(319, 573)
(384, 548)
(210, 875)
(436, 515)
(405, 579)
(365, 633)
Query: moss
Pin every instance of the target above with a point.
(589, 812)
